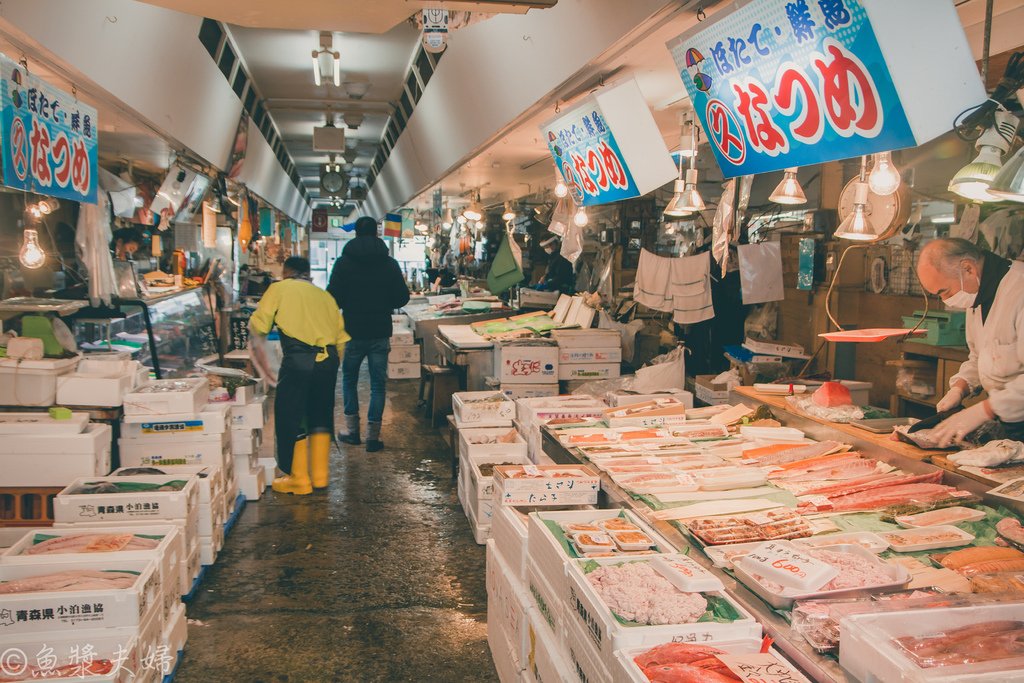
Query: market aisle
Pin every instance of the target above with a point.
(378, 579)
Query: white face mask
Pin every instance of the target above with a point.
(962, 300)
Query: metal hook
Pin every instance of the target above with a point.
(701, 15)
(111, 19)
(558, 109)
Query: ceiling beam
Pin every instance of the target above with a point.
(323, 104)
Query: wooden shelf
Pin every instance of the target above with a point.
(917, 399)
(955, 353)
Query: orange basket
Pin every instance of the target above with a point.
(27, 506)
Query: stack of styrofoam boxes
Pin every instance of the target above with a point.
(404, 357)
(100, 382)
(533, 413)
(37, 450)
(32, 382)
(520, 626)
(486, 437)
(588, 354)
(43, 630)
(527, 367)
(77, 510)
(518, 391)
(194, 434)
(167, 555)
(249, 415)
(623, 397)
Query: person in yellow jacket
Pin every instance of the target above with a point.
(312, 339)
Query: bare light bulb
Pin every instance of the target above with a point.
(561, 190)
(884, 178)
(31, 254)
(580, 219)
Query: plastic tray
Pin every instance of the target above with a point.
(866, 539)
(900, 579)
(959, 513)
(880, 425)
(631, 546)
(874, 334)
(964, 538)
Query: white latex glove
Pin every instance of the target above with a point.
(953, 429)
(952, 399)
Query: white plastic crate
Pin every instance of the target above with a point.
(209, 478)
(32, 382)
(548, 660)
(508, 603)
(482, 409)
(55, 459)
(584, 659)
(484, 441)
(190, 570)
(61, 611)
(188, 526)
(510, 531)
(185, 396)
(175, 632)
(251, 415)
(252, 482)
(246, 441)
(69, 506)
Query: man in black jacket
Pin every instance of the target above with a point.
(368, 285)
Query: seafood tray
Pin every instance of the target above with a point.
(545, 485)
(866, 539)
(898, 578)
(927, 538)
(491, 441)
(162, 396)
(483, 409)
(951, 515)
(114, 501)
(773, 659)
(875, 646)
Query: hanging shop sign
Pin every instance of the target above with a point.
(608, 147)
(319, 220)
(392, 225)
(781, 83)
(49, 137)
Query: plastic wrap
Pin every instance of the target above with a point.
(561, 217)
(92, 240)
(266, 357)
(721, 225)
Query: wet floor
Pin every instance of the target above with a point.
(376, 579)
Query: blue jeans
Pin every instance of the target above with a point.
(376, 350)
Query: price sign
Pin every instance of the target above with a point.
(788, 565)
(761, 668)
(239, 332)
(208, 341)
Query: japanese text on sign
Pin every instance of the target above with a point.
(50, 139)
(588, 157)
(791, 82)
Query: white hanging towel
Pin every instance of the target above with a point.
(761, 272)
(653, 274)
(690, 288)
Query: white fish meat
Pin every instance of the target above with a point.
(92, 543)
(72, 580)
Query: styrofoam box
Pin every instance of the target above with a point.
(571, 371)
(117, 507)
(510, 601)
(400, 320)
(151, 400)
(201, 451)
(207, 552)
(597, 338)
(517, 391)
(472, 409)
(246, 441)
(506, 665)
(93, 385)
(532, 411)
(405, 353)
(252, 415)
(546, 554)
(190, 571)
(127, 644)
(584, 659)
(168, 554)
(175, 633)
(209, 478)
(116, 607)
(209, 514)
(252, 481)
(548, 661)
(509, 531)
(403, 370)
(526, 363)
(869, 653)
(402, 336)
(481, 531)
(212, 420)
(550, 604)
(478, 486)
(54, 459)
(469, 449)
(32, 382)
(617, 399)
(269, 465)
(588, 355)
(560, 489)
(607, 635)
(629, 672)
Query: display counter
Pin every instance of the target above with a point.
(819, 667)
(475, 359)
(426, 321)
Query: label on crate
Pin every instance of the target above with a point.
(182, 426)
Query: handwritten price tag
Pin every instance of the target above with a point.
(687, 575)
(789, 565)
(761, 668)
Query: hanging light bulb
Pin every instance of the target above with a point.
(473, 212)
(448, 219)
(674, 208)
(31, 254)
(561, 189)
(580, 219)
(857, 226)
(974, 180)
(789, 191)
(462, 219)
(691, 200)
(509, 214)
(155, 246)
(1009, 182)
(884, 178)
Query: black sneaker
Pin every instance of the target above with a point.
(374, 445)
(350, 439)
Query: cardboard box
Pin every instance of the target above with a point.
(404, 354)
(212, 421)
(402, 336)
(709, 392)
(555, 485)
(54, 459)
(252, 415)
(482, 409)
(589, 355)
(185, 396)
(587, 371)
(526, 363)
(403, 370)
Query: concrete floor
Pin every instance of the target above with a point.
(376, 579)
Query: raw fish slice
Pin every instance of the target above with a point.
(675, 653)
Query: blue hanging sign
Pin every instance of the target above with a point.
(780, 83)
(50, 138)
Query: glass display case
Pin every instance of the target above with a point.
(167, 333)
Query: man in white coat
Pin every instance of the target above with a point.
(991, 290)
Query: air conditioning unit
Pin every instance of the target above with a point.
(329, 139)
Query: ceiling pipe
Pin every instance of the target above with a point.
(314, 104)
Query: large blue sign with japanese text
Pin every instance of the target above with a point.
(781, 83)
(50, 138)
(588, 157)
